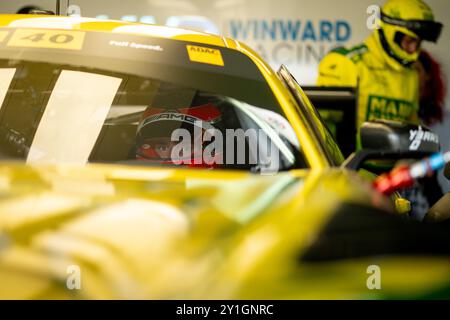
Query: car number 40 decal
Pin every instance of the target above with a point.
(40, 38)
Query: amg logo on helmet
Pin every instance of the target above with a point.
(172, 116)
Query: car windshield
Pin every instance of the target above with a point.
(80, 97)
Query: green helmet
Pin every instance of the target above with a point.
(405, 17)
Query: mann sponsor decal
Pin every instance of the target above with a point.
(205, 55)
(387, 108)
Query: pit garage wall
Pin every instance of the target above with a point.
(296, 33)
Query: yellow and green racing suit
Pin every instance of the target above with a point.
(383, 92)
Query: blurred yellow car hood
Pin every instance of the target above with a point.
(124, 232)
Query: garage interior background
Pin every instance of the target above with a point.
(296, 33)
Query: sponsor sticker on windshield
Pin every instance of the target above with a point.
(54, 39)
(205, 55)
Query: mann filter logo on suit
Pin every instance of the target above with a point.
(387, 108)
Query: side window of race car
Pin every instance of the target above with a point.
(326, 140)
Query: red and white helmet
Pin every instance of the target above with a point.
(154, 141)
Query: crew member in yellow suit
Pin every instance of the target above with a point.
(382, 67)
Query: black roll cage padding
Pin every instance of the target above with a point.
(357, 159)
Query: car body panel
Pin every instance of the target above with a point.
(165, 234)
(103, 216)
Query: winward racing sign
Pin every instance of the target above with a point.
(293, 42)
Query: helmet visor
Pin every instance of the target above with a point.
(425, 30)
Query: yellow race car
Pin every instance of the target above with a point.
(141, 161)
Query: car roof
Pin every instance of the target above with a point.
(132, 28)
(114, 26)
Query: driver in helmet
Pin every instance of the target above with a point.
(156, 142)
(382, 67)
